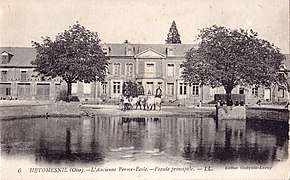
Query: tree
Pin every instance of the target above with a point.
(173, 36)
(226, 57)
(130, 89)
(74, 55)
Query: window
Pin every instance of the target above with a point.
(255, 91)
(23, 75)
(87, 88)
(129, 51)
(212, 91)
(149, 68)
(241, 90)
(104, 88)
(117, 69)
(170, 51)
(280, 92)
(74, 88)
(116, 87)
(106, 50)
(195, 89)
(180, 70)
(4, 76)
(109, 69)
(170, 89)
(182, 88)
(5, 57)
(8, 91)
(129, 69)
(170, 70)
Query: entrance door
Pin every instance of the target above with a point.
(57, 91)
(23, 91)
(149, 88)
(5, 90)
(267, 94)
(42, 92)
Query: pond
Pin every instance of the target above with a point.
(103, 140)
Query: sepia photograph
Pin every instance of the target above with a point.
(127, 89)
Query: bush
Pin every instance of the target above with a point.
(74, 99)
(212, 102)
(62, 96)
(234, 97)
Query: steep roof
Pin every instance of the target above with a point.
(22, 56)
(119, 49)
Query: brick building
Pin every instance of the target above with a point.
(18, 79)
(150, 65)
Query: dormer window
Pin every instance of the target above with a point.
(129, 50)
(6, 57)
(170, 51)
(106, 50)
(282, 67)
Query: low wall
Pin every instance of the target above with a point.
(268, 113)
(41, 110)
(231, 112)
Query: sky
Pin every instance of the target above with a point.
(140, 21)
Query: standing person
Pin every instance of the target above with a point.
(158, 92)
(200, 102)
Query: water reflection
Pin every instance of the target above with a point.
(104, 139)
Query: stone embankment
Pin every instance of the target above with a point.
(114, 110)
(277, 113)
(33, 109)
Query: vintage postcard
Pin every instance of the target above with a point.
(149, 89)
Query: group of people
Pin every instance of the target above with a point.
(231, 103)
(141, 101)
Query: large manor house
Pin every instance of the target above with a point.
(150, 65)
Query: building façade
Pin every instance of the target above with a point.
(150, 65)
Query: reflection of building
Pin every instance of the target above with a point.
(151, 65)
(109, 138)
